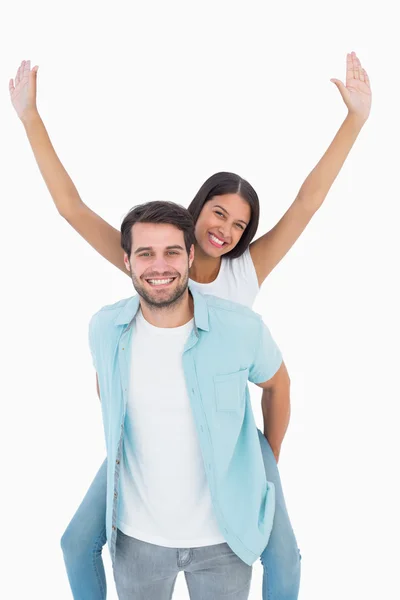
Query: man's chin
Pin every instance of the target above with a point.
(162, 297)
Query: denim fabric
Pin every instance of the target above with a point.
(85, 536)
(83, 541)
(145, 571)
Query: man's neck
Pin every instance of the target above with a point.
(175, 315)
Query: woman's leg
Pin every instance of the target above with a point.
(281, 557)
(83, 541)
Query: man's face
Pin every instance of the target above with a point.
(159, 263)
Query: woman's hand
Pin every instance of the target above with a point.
(357, 91)
(23, 93)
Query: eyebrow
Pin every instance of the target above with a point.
(147, 248)
(225, 211)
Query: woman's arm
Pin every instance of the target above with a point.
(101, 235)
(275, 405)
(268, 250)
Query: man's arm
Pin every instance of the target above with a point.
(276, 408)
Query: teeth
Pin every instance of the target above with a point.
(216, 240)
(159, 281)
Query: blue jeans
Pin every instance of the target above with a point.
(85, 537)
(148, 572)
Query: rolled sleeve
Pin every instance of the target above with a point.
(267, 358)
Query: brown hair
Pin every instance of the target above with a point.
(158, 211)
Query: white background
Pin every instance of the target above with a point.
(144, 101)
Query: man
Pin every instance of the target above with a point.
(186, 482)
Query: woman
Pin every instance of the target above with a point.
(227, 263)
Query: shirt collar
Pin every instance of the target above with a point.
(129, 310)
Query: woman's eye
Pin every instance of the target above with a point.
(220, 214)
(240, 226)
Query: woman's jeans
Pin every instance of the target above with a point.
(85, 537)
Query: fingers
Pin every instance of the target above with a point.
(356, 66)
(355, 70)
(349, 67)
(22, 73)
(358, 71)
(27, 69)
(353, 67)
(17, 77)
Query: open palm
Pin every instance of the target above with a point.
(23, 93)
(357, 92)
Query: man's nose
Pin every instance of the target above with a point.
(160, 264)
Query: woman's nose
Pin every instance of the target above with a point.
(225, 231)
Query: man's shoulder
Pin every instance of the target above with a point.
(109, 313)
(231, 311)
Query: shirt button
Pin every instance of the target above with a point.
(115, 494)
(117, 461)
(114, 528)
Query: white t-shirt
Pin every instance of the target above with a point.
(236, 281)
(164, 495)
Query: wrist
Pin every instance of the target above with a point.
(355, 121)
(30, 116)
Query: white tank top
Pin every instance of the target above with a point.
(236, 281)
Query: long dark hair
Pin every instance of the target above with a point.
(229, 183)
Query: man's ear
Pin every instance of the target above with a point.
(126, 261)
(191, 255)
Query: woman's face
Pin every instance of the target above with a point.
(221, 224)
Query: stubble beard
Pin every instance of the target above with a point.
(161, 304)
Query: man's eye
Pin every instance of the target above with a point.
(172, 252)
(145, 254)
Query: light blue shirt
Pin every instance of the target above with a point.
(229, 346)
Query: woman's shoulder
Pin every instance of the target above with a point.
(241, 266)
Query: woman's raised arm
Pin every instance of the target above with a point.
(268, 250)
(101, 235)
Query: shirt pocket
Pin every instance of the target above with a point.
(230, 391)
